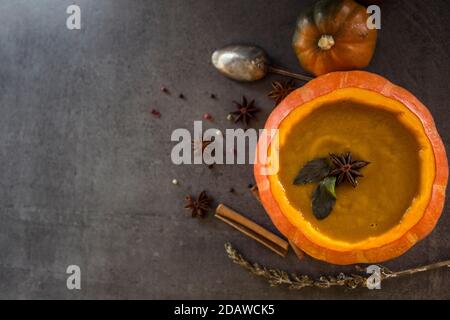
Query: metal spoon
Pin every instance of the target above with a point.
(247, 63)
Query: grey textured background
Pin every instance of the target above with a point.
(85, 172)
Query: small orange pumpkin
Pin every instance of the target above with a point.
(372, 92)
(333, 36)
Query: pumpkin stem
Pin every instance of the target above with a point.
(326, 42)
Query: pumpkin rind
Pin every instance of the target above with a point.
(343, 20)
(369, 81)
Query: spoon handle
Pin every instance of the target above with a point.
(289, 74)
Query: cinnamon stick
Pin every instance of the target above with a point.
(251, 229)
(299, 253)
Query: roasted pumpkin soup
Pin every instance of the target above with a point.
(401, 196)
(390, 181)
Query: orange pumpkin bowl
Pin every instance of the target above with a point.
(381, 229)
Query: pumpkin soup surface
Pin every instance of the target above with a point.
(391, 180)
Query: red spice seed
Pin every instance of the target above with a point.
(207, 116)
(156, 113)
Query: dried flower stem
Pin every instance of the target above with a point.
(277, 277)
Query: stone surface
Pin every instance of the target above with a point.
(86, 175)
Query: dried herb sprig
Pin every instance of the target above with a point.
(276, 277)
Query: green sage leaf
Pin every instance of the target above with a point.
(313, 171)
(324, 198)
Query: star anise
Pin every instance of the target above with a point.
(280, 90)
(246, 111)
(199, 206)
(345, 168)
(199, 145)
